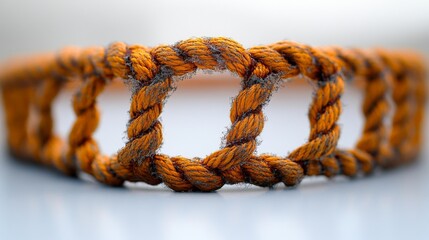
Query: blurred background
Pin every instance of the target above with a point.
(41, 204)
(29, 26)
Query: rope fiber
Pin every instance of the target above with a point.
(29, 87)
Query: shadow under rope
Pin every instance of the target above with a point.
(20, 174)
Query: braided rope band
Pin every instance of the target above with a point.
(29, 89)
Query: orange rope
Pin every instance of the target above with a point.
(32, 85)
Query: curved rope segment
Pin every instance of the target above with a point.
(31, 85)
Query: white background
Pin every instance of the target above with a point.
(39, 203)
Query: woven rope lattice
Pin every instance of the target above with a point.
(30, 86)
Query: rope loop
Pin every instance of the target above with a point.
(30, 86)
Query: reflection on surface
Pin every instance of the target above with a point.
(37, 202)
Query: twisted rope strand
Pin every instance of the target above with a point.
(151, 73)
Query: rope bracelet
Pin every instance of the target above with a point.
(394, 80)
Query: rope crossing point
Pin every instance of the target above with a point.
(29, 87)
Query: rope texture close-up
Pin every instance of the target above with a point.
(394, 96)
